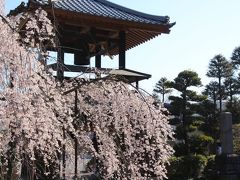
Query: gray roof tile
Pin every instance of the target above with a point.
(106, 9)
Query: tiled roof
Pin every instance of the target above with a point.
(106, 9)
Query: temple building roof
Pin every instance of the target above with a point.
(99, 22)
(106, 9)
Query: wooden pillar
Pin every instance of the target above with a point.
(137, 84)
(98, 63)
(60, 64)
(97, 48)
(122, 50)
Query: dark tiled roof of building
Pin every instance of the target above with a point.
(76, 19)
(106, 9)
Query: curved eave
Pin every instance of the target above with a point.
(135, 38)
(136, 33)
(101, 21)
(103, 8)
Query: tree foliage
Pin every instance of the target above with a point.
(236, 57)
(219, 68)
(187, 167)
(33, 110)
(129, 130)
(193, 140)
(162, 87)
(185, 80)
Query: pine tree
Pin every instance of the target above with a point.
(162, 87)
(219, 68)
(193, 142)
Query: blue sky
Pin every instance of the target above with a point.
(204, 28)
